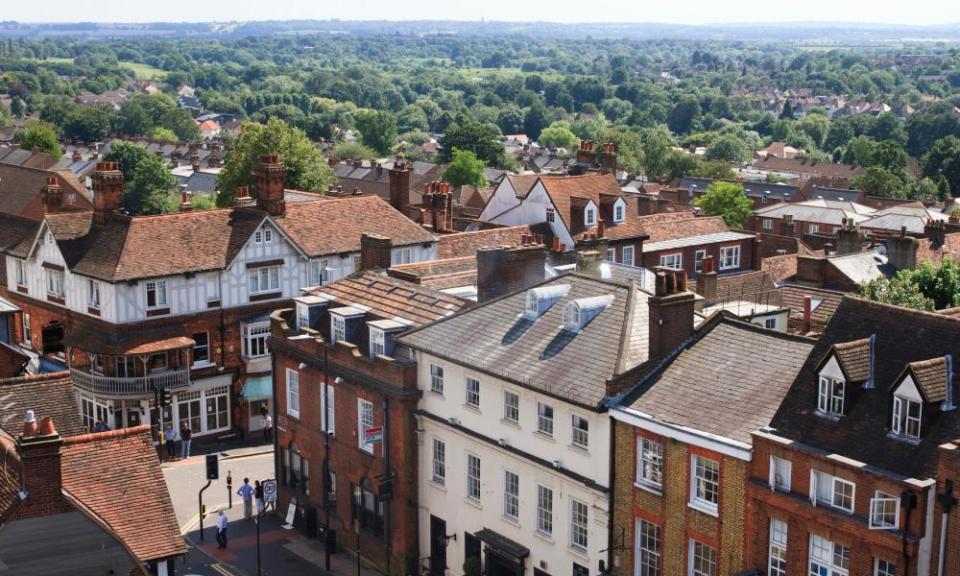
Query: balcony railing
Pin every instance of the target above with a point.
(135, 386)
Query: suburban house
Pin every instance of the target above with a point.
(514, 459)
(375, 178)
(346, 397)
(75, 503)
(760, 193)
(682, 448)
(24, 191)
(855, 473)
(180, 302)
(571, 209)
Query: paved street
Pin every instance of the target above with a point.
(282, 552)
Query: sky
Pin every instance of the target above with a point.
(682, 11)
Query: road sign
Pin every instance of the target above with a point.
(373, 435)
(270, 490)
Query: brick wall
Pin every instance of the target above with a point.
(670, 508)
(377, 380)
(652, 259)
(804, 519)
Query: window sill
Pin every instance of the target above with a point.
(472, 408)
(510, 423)
(548, 538)
(475, 503)
(544, 436)
(93, 311)
(56, 299)
(708, 509)
(265, 296)
(435, 393)
(828, 415)
(157, 312)
(651, 488)
(201, 365)
(438, 486)
(578, 552)
(584, 450)
(510, 521)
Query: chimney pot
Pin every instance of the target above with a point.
(46, 426)
(29, 424)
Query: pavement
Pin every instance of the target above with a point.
(282, 552)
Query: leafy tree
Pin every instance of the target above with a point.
(510, 120)
(925, 127)
(378, 130)
(161, 133)
(18, 108)
(148, 183)
(88, 123)
(679, 164)
(889, 127)
(685, 115)
(943, 159)
(656, 152)
(353, 151)
(878, 181)
(306, 167)
(816, 126)
(41, 135)
(534, 121)
(728, 148)
(928, 287)
(943, 188)
(925, 189)
(465, 169)
(558, 137)
(481, 139)
(710, 169)
(726, 199)
(860, 151)
(629, 148)
(787, 111)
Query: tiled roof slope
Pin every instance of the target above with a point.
(468, 243)
(16, 233)
(116, 476)
(439, 274)
(393, 298)
(539, 354)
(930, 376)
(20, 188)
(792, 298)
(854, 358)
(332, 226)
(728, 382)
(903, 336)
(565, 191)
(47, 395)
(680, 225)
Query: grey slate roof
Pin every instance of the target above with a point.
(540, 355)
(715, 238)
(729, 381)
(863, 266)
(783, 192)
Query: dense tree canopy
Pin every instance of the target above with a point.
(726, 199)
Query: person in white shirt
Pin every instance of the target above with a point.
(267, 428)
(221, 531)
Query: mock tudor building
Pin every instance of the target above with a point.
(570, 209)
(181, 301)
(346, 397)
(856, 472)
(682, 448)
(514, 457)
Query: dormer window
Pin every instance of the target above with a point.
(541, 298)
(338, 328)
(590, 217)
(830, 396)
(906, 417)
(579, 313)
(618, 212)
(344, 322)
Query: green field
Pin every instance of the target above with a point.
(144, 71)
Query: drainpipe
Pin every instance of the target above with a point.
(326, 463)
(387, 516)
(947, 501)
(909, 500)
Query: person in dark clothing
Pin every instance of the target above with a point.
(258, 496)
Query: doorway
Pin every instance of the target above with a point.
(438, 546)
(258, 409)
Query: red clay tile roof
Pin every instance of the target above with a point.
(566, 191)
(333, 226)
(780, 267)
(464, 244)
(17, 234)
(829, 300)
(672, 225)
(116, 477)
(927, 250)
(931, 378)
(20, 188)
(439, 274)
(392, 298)
(47, 395)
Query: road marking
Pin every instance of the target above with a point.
(195, 520)
(222, 570)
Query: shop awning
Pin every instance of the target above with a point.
(502, 544)
(258, 388)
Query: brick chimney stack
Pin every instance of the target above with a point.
(671, 312)
(242, 198)
(77, 156)
(195, 161)
(52, 197)
(586, 153)
(502, 271)
(902, 251)
(375, 252)
(756, 254)
(935, 231)
(849, 239)
(107, 191)
(588, 262)
(707, 281)
(400, 185)
(269, 175)
(39, 450)
(608, 157)
(185, 204)
(438, 206)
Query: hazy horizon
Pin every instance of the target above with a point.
(692, 12)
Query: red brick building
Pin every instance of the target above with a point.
(853, 473)
(682, 241)
(345, 403)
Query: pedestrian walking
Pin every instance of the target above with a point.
(246, 492)
(185, 435)
(221, 531)
(170, 437)
(267, 428)
(258, 496)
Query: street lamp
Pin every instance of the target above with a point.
(256, 521)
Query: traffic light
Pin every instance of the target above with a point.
(165, 399)
(213, 467)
